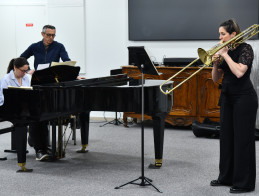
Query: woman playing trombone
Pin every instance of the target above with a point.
(238, 107)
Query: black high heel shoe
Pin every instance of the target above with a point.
(234, 189)
(218, 183)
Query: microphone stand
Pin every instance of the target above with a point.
(144, 180)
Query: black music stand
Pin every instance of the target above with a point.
(145, 65)
(55, 74)
(115, 121)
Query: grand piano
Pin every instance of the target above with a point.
(58, 98)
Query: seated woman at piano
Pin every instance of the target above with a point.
(16, 76)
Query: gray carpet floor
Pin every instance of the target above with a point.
(114, 158)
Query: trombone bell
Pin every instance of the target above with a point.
(204, 56)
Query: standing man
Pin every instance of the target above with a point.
(45, 51)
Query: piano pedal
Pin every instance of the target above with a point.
(83, 150)
(23, 168)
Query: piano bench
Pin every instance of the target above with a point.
(7, 130)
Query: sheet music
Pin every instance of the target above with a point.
(21, 87)
(71, 63)
(42, 66)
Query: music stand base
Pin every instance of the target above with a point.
(114, 122)
(144, 182)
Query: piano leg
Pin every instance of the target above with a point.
(84, 120)
(158, 130)
(20, 135)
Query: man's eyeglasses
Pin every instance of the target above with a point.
(24, 71)
(50, 35)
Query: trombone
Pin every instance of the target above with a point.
(206, 56)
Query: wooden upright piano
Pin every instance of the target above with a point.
(197, 99)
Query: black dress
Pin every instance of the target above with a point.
(238, 108)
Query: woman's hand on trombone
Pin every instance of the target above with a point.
(223, 51)
(216, 59)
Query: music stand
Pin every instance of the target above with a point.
(55, 74)
(145, 65)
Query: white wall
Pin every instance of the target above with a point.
(69, 19)
(105, 36)
(67, 16)
(15, 36)
(7, 41)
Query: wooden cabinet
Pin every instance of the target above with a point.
(196, 99)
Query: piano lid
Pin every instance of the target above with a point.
(55, 74)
